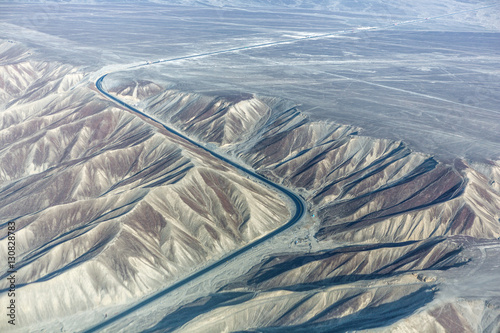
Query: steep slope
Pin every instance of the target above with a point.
(388, 221)
(363, 189)
(221, 119)
(353, 307)
(348, 288)
(107, 206)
